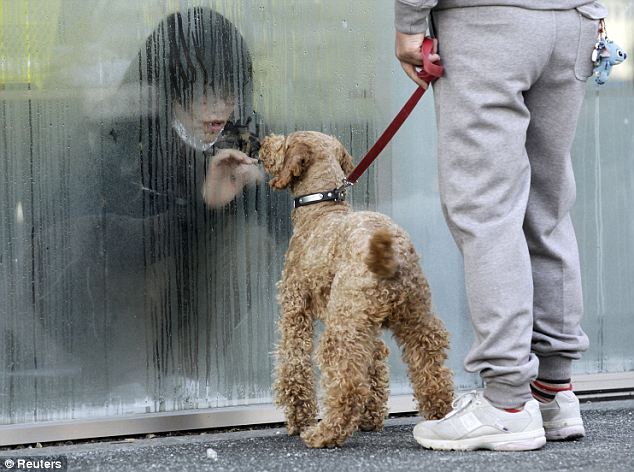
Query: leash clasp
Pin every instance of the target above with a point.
(342, 190)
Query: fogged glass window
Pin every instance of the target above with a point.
(142, 249)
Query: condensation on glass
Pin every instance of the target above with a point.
(124, 290)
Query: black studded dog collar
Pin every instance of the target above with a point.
(336, 195)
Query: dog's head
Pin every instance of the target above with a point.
(307, 161)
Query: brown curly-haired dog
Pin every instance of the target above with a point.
(358, 272)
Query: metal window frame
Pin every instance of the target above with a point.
(596, 386)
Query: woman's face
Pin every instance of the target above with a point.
(202, 123)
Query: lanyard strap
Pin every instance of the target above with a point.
(428, 73)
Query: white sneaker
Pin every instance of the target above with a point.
(476, 424)
(562, 417)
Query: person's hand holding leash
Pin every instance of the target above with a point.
(408, 52)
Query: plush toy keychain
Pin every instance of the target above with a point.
(606, 54)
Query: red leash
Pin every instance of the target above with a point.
(428, 73)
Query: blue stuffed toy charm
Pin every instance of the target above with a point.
(606, 54)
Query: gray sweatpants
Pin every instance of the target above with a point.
(507, 109)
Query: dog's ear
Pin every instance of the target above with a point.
(345, 160)
(297, 157)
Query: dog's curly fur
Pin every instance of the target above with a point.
(358, 272)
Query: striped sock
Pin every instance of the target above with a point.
(544, 390)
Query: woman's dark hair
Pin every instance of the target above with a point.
(195, 52)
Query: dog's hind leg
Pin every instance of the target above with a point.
(344, 354)
(424, 342)
(294, 385)
(376, 408)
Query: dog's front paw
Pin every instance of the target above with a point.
(319, 437)
(312, 437)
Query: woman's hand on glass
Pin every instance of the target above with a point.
(228, 173)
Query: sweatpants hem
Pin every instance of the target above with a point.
(507, 396)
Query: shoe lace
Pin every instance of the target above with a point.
(462, 402)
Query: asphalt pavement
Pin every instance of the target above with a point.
(608, 446)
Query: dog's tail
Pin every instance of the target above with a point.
(381, 258)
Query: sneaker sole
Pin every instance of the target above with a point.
(508, 442)
(565, 433)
